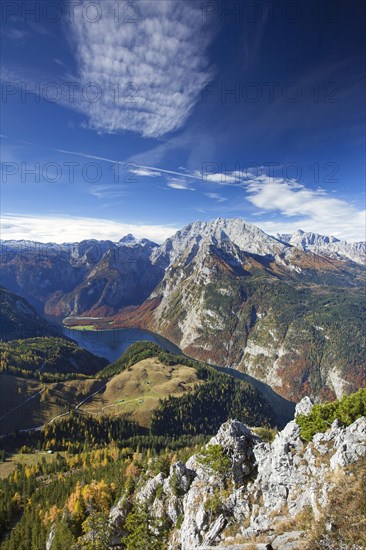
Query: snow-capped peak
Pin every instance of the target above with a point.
(128, 239)
(245, 236)
(304, 239)
(326, 245)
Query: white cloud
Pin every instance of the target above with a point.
(178, 183)
(313, 209)
(147, 172)
(157, 64)
(216, 196)
(285, 205)
(109, 191)
(221, 178)
(60, 229)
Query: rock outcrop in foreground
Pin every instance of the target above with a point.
(241, 492)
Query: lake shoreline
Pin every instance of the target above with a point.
(110, 343)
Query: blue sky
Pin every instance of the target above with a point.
(143, 116)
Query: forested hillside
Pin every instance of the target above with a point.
(67, 494)
(47, 359)
(18, 319)
(171, 394)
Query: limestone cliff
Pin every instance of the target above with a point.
(241, 492)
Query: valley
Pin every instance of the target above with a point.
(134, 386)
(111, 396)
(287, 310)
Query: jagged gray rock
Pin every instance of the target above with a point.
(304, 407)
(117, 518)
(147, 493)
(265, 484)
(183, 477)
(350, 444)
(215, 529)
(238, 442)
(326, 245)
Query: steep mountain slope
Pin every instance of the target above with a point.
(18, 319)
(234, 296)
(41, 378)
(244, 236)
(327, 246)
(36, 357)
(71, 279)
(124, 276)
(37, 271)
(101, 277)
(243, 493)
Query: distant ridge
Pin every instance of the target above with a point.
(328, 246)
(288, 310)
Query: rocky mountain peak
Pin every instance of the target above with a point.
(309, 238)
(326, 245)
(129, 238)
(130, 241)
(221, 231)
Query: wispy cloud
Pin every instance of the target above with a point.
(310, 209)
(14, 34)
(23, 29)
(59, 62)
(275, 204)
(280, 205)
(147, 172)
(216, 197)
(174, 179)
(294, 205)
(137, 169)
(157, 64)
(60, 229)
(218, 177)
(180, 184)
(109, 191)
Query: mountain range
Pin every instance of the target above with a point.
(327, 246)
(288, 310)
